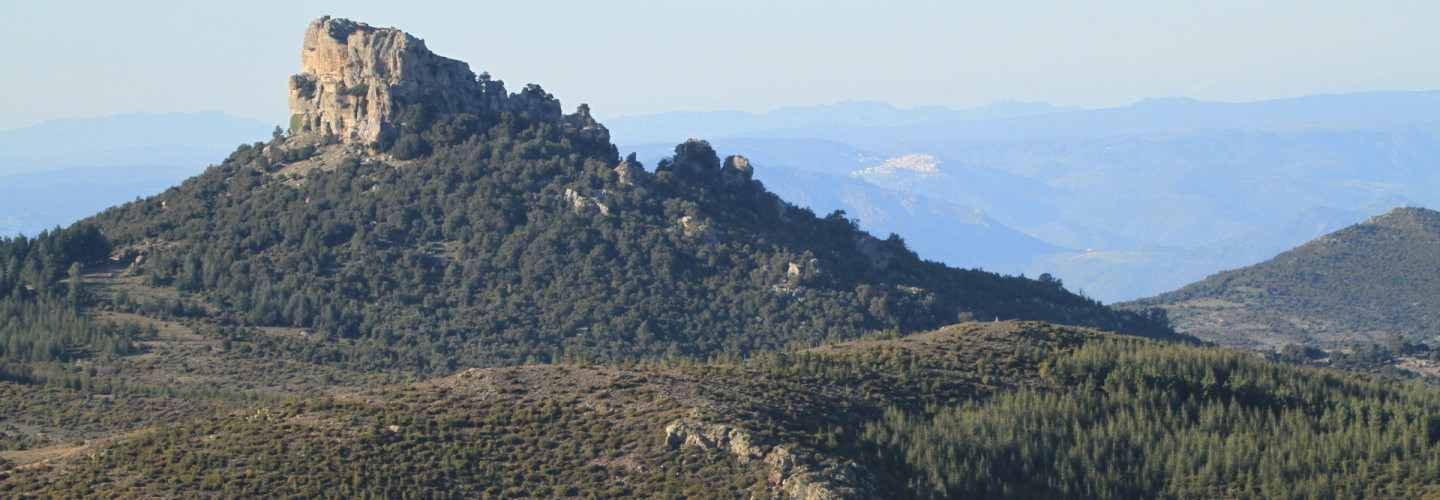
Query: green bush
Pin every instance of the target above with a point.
(409, 147)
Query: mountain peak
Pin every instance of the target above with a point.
(370, 85)
(1406, 217)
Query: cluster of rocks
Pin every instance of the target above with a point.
(798, 472)
(695, 158)
(694, 227)
(586, 205)
(630, 171)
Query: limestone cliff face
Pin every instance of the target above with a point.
(365, 85)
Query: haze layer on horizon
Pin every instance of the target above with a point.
(639, 57)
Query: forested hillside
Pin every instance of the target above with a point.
(42, 296)
(1363, 284)
(513, 240)
(464, 226)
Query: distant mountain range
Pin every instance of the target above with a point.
(57, 172)
(1364, 283)
(127, 139)
(1040, 120)
(941, 229)
(677, 126)
(1150, 196)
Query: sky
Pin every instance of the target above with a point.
(70, 59)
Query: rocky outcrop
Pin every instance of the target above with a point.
(365, 85)
(737, 169)
(585, 205)
(872, 249)
(739, 442)
(694, 162)
(630, 171)
(702, 229)
(693, 158)
(798, 472)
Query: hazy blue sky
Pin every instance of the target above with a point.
(85, 59)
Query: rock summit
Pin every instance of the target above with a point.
(367, 85)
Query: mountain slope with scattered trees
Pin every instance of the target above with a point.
(994, 410)
(1366, 283)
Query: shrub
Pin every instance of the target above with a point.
(410, 146)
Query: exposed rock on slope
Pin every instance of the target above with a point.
(796, 470)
